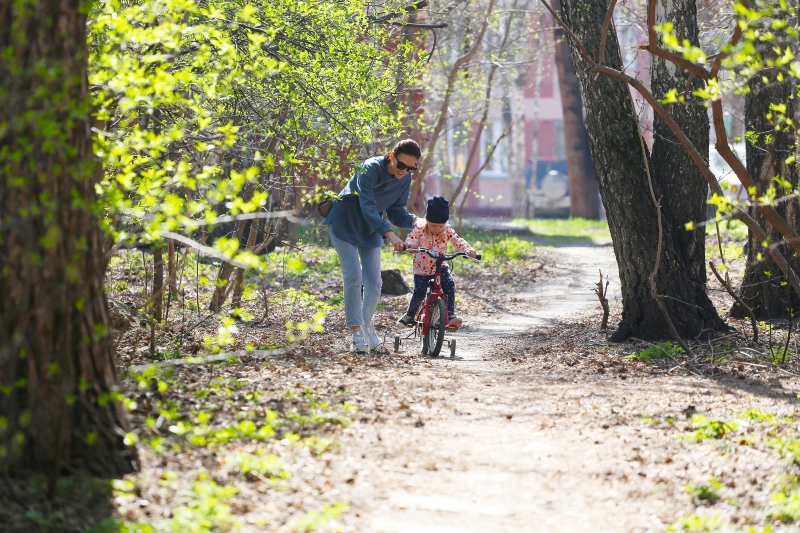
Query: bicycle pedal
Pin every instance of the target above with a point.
(452, 328)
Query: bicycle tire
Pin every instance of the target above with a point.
(434, 337)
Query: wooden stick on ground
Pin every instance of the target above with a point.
(601, 292)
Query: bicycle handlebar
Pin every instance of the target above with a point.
(436, 255)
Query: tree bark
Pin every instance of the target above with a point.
(684, 187)
(56, 355)
(583, 190)
(158, 282)
(224, 276)
(762, 287)
(622, 179)
(238, 281)
(517, 160)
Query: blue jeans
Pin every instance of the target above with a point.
(366, 272)
(421, 284)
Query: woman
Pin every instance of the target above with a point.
(380, 184)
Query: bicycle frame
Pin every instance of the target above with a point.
(432, 335)
(435, 291)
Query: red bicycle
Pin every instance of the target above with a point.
(431, 320)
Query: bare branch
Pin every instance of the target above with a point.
(726, 283)
(417, 25)
(416, 6)
(656, 50)
(224, 356)
(601, 56)
(205, 250)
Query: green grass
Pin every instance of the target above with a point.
(729, 229)
(568, 229)
(663, 350)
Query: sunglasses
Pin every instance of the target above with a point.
(403, 166)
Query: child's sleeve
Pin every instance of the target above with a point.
(458, 242)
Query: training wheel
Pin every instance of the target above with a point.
(396, 343)
(452, 347)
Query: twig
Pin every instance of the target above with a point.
(207, 250)
(224, 356)
(419, 25)
(727, 284)
(601, 56)
(601, 292)
(406, 9)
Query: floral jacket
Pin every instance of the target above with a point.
(424, 265)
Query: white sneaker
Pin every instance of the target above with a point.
(369, 333)
(359, 345)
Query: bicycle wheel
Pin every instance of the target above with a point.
(434, 337)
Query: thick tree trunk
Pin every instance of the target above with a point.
(684, 188)
(583, 198)
(762, 287)
(614, 140)
(56, 356)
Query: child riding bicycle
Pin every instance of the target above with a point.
(434, 234)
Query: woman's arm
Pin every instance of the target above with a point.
(398, 214)
(366, 179)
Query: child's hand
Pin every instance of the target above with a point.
(472, 253)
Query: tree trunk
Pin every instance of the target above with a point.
(56, 356)
(517, 161)
(684, 188)
(158, 282)
(762, 286)
(224, 276)
(766, 152)
(583, 192)
(238, 281)
(614, 140)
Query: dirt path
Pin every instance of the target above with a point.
(477, 444)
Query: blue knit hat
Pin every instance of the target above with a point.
(438, 210)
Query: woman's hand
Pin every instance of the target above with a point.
(395, 241)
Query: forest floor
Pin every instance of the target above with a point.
(537, 424)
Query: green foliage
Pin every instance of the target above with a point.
(206, 508)
(313, 520)
(511, 249)
(262, 465)
(709, 428)
(662, 350)
(705, 494)
(787, 447)
(784, 500)
(187, 96)
(701, 523)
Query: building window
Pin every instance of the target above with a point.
(499, 162)
(559, 141)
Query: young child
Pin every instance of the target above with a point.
(434, 234)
